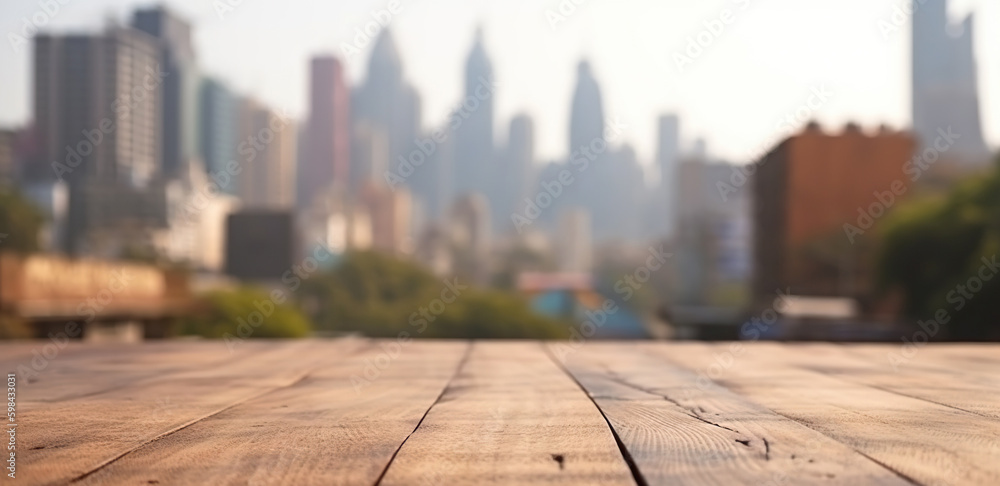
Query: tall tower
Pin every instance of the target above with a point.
(586, 131)
(181, 87)
(474, 140)
(90, 138)
(328, 157)
(945, 87)
(516, 174)
(388, 104)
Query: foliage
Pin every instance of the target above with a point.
(238, 313)
(20, 223)
(380, 296)
(934, 250)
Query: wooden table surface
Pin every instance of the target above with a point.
(355, 411)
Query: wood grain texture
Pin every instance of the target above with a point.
(65, 440)
(321, 430)
(511, 416)
(680, 431)
(924, 442)
(356, 411)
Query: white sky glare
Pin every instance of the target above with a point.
(761, 67)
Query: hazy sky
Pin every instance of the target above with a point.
(761, 67)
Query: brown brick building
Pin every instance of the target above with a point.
(805, 191)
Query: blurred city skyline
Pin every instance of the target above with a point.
(731, 95)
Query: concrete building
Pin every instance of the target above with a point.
(181, 87)
(574, 252)
(267, 155)
(474, 145)
(391, 213)
(806, 191)
(98, 117)
(945, 85)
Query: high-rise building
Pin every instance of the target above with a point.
(574, 253)
(98, 118)
(267, 155)
(369, 154)
(945, 87)
(388, 103)
(390, 212)
(327, 154)
(515, 175)
(590, 190)
(181, 88)
(474, 168)
(218, 137)
(805, 193)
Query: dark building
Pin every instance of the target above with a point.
(260, 245)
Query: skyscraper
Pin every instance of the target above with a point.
(218, 136)
(945, 88)
(514, 177)
(388, 103)
(591, 190)
(97, 113)
(327, 156)
(474, 168)
(181, 89)
(267, 151)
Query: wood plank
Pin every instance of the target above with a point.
(319, 431)
(81, 370)
(64, 440)
(924, 378)
(511, 416)
(924, 442)
(679, 432)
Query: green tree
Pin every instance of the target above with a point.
(934, 247)
(381, 296)
(20, 223)
(223, 312)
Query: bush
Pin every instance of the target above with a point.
(380, 296)
(223, 312)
